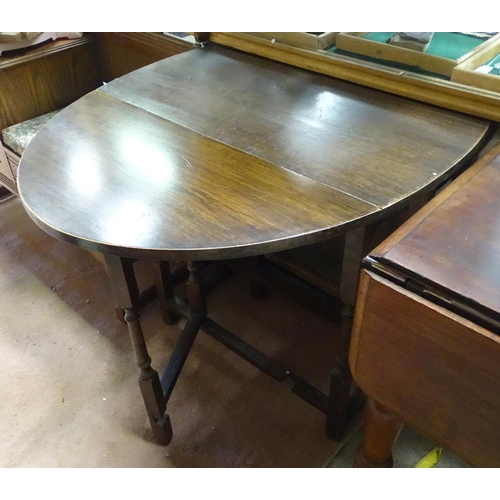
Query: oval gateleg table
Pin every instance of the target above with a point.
(215, 154)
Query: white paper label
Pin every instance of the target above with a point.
(484, 69)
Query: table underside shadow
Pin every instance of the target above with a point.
(340, 405)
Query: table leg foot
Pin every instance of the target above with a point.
(162, 430)
(361, 462)
(338, 402)
(381, 430)
(340, 383)
(149, 381)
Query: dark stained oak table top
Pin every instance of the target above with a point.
(218, 154)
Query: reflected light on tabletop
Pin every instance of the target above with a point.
(84, 174)
(154, 164)
(130, 223)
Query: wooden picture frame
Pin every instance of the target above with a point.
(466, 73)
(474, 101)
(354, 43)
(312, 41)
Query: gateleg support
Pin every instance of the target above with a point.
(341, 378)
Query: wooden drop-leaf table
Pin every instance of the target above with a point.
(215, 154)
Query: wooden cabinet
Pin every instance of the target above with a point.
(44, 78)
(121, 53)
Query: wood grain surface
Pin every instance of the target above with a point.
(123, 52)
(372, 145)
(434, 369)
(42, 79)
(216, 154)
(454, 243)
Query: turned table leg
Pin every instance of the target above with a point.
(340, 382)
(149, 382)
(121, 275)
(381, 430)
(341, 378)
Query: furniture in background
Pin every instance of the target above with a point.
(426, 345)
(41, 79)
(14, 140)
(216, 154)
(38, 80)
(21, 40)
(456, 79)
(122, 52)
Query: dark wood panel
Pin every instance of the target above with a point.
(436, 370)
(121, 53)
(370, 144)
(46, 78)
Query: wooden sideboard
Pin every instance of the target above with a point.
(41, 79)
(122, 52)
